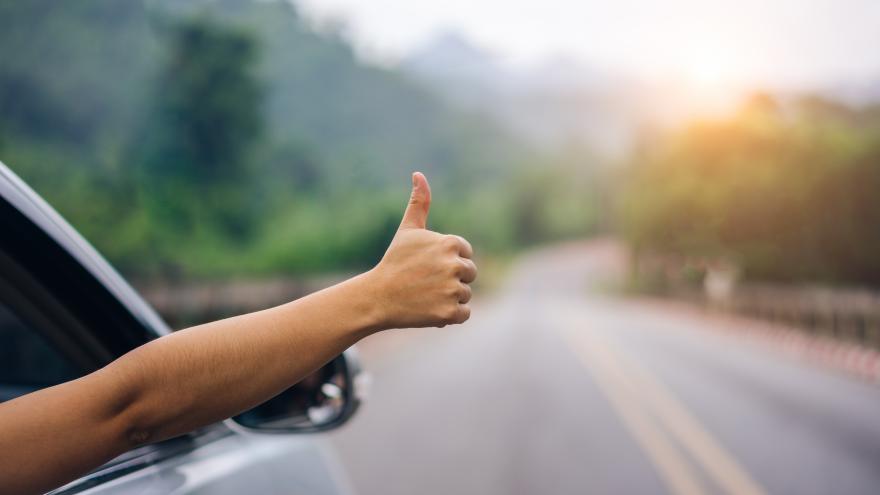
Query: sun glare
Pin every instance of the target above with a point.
(709, 72)
(715, 78)
(714, 64)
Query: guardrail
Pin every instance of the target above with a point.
(846, 314)
(842, 313)
(198, 302)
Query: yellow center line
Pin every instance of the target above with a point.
(720, 464)
(667, 460)
(647, 393)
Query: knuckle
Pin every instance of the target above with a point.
(451, 241)
(443, 314)
(465, 314)
(470, 265)
(456, 267)
(465, 295)
(450, 313)
(468, 271)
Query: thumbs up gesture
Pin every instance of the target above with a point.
(424, 276)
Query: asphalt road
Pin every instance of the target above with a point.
(552, 388)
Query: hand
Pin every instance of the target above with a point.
(423, 278)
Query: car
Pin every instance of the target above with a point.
(65, 312)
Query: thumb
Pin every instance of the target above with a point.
(416, 214)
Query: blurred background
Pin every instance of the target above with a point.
(698, 183)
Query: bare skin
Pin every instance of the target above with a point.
(206, 373)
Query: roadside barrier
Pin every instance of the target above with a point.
(845, 314)
(199, 302)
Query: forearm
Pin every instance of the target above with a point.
(210, 372)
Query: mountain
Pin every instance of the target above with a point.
(558, 102)
(562, 101)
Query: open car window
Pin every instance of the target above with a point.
(28, 362)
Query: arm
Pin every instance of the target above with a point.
(203, 374)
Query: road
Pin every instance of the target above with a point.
(553, 388)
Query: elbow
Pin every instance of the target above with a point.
(136, 435)
(130, 407)
(155, 414)
(153, 418)
(149, 404)
(145, 419)
(134, 420)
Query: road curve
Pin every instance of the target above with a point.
(552, 388)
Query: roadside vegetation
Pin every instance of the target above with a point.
(780, 191)
(233, 138)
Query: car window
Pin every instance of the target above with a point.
(28, 362)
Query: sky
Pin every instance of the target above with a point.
(771, 43)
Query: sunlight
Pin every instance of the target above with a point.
(715, 77)
(709, 72)
(714, 63)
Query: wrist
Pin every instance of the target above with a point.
(364, 291)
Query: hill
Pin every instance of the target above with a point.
(228, 137)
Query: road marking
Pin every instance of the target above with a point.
(603, 361)
(719, 463)
(667, 460)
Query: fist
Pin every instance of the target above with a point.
(423, 277)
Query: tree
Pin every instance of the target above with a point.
(206, 119)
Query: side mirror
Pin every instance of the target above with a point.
(321, 401)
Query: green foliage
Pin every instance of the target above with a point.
(215, 138)
(557, 199)
(787, 194)
(61, 78)
(193, 156)
(207, 105)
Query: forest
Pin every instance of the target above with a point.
(212, 139)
